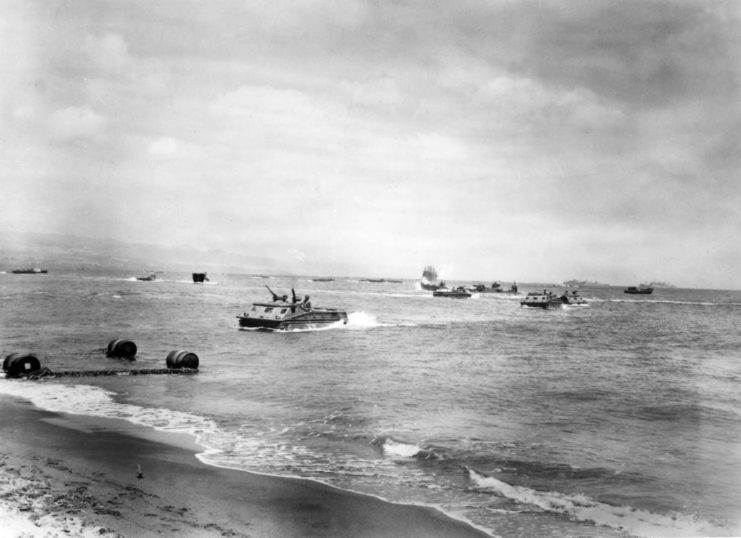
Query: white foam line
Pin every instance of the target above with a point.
(582, 508)
(95, 401)
(203, 458)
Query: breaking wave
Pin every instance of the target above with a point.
(95, 401)
(582, 508)
(394, 449)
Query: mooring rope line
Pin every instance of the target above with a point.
(28, 365)
(46, 372)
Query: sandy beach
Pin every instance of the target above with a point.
(63, 475)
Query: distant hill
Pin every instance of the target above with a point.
(68, 252)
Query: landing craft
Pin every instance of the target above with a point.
(149, 277)
(541, 300)
(282, 314)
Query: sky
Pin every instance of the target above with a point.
(535, 141)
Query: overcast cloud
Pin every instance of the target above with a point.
(515, 140)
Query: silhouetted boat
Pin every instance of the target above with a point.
(152, 276)
(282, 314)
(496, 287)
(323, 279)
(200, 277)
(639, 290)
(29, 271)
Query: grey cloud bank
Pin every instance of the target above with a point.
(513, 140)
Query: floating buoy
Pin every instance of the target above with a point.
(18, 364)
(125, 349)
(182, 359)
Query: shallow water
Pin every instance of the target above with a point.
(620, 417)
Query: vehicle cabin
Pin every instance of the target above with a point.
(538, 298)
(277, 310)
(282, 311)
(541, 300)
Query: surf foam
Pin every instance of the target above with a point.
(582, 508)
(95, 401)
(398, 449)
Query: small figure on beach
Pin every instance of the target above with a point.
(139, 473)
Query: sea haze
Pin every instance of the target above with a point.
(620, 417)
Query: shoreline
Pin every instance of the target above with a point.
(79, 475)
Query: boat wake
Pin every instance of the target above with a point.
(355, 321)
(363, 320)
(575, 306)
(582, 508)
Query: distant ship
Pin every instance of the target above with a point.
(323, 279)
(152, 276)
(639, 290)
(29, 271)
(378, 280)
(660, 285)
(581, 283)
(429, 279)
(283, 314)
(200, 277)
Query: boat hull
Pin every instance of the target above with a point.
(573, 299)
(544, 305)
(29, 271)
(451, 294)
(307, 320)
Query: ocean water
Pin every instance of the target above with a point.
(621, 417)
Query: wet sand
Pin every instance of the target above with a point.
(63, 475)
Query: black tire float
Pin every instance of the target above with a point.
(18, 364)
(182, 359)
(125, 349)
